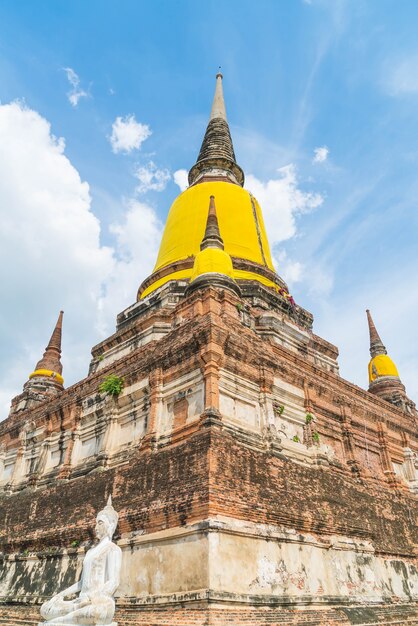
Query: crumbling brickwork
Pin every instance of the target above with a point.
(211, 478)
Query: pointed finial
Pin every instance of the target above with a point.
(376, 344)
(109, 500)
(212, 237)
(50, 364)
(217, 157)
(218, 106)
(52, 354)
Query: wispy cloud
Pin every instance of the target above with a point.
(137, 236)
(342, 321)
(320, 154)
(401, 77)
(76, 92)
(282, 200)
(128, 134)
(336, 17)
(181, 179)
(151, 178)
(292, 271)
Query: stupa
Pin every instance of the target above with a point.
(254, 484)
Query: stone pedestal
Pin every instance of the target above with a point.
(70, 624)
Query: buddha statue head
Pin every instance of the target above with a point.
(106, 521)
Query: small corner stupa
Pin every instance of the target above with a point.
(384, 379)
(212, 265)
(46, 380)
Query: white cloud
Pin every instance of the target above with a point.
(401, 77)
(181, 179)
(140, 224)
(151, 178)
(320, 154)
(51, 257)
(292, 271)
(137, 239)
(282, 200)
(50, 252)
(128, 134)
(76, 92)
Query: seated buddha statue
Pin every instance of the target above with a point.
(99, 581)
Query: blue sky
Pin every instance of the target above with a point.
(82, 218)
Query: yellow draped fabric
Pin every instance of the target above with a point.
(381, 365)
(241, 227)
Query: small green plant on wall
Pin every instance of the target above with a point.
(296, 439)
(315, 437)
(278, 408)
(112, 385)
(308, 418)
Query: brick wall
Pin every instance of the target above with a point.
(252, 485)
(154, 491)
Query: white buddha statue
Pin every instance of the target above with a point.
(99, 581)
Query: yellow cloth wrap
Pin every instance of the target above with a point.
(241, 227)
(381, 365)
(244, 275)
(212, 260)
(186, 275)
(180, 275)
(240, 223)
(49, 373)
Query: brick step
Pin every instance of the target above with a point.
(15, 615)
(18, 621)
(19, 616)
(404, 620)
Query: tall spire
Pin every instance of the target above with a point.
(216, 160)
(376, 344)
(50, 365)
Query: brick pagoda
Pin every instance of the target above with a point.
(255, 486)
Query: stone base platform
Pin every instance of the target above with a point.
(387, 615)
(69, 624)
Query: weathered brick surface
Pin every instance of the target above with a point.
(205, 615)
(152, 492)
(252, 485)
(171, 488)
(207, 468)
